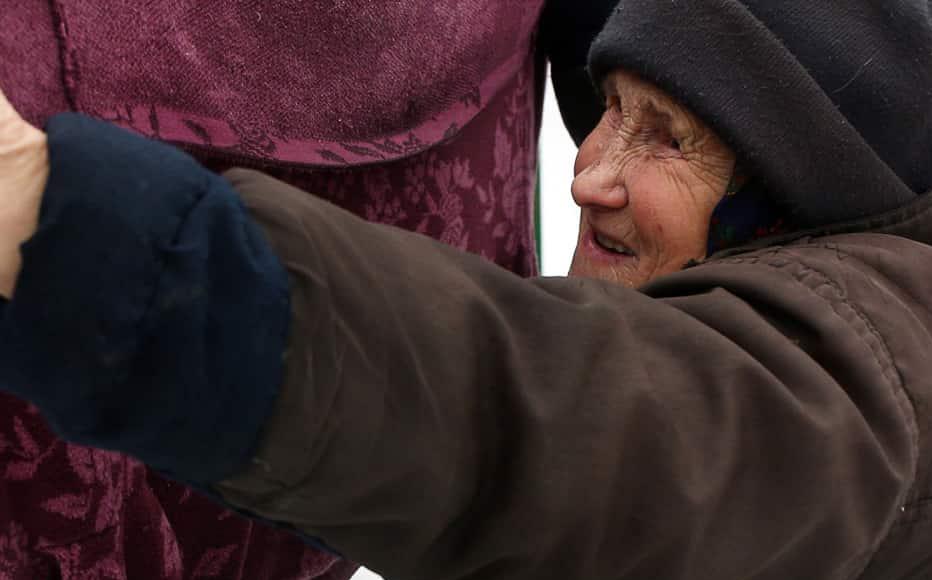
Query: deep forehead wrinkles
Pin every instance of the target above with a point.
(649, 105)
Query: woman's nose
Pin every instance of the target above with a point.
(598, 181)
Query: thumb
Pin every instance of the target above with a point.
(15, 133)
(6, 109)
(24, 171)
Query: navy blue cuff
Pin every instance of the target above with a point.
(151, 315)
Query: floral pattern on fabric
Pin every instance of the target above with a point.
(75, 513)
(72, 513)
(474, 191)
(746, 216)
(327, 84)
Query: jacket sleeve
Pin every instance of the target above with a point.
(148, 308)
(443, 419)
(567, 30)
(437, 418)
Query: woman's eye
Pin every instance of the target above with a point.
(670, 147)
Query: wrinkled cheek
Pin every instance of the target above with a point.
(677, 253)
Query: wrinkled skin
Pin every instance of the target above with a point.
(647, 180)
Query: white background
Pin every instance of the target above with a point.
(559, 216)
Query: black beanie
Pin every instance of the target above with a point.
(827, 102)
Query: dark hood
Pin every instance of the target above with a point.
(828, 104)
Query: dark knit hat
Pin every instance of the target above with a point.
(827, 102)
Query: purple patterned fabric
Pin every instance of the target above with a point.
(421, 114)
(474, 192)
(210, 76)
(306, 81)
(75, 513)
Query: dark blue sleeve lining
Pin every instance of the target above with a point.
(151, 315)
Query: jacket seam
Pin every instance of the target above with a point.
(70, 73)
(886, 364)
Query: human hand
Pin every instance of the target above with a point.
(24, 171)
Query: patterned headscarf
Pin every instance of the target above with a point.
(744, 215)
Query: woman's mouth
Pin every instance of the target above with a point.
(609, 245)
(605, 258)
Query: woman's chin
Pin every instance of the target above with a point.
(591, 260)
(615, 273)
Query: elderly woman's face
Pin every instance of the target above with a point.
(647, 180)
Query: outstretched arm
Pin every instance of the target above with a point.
(441, 418)
(435, 417)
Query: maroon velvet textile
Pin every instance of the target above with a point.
(474, 192)
(76, 513)
(320, 82)
(421, 114)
